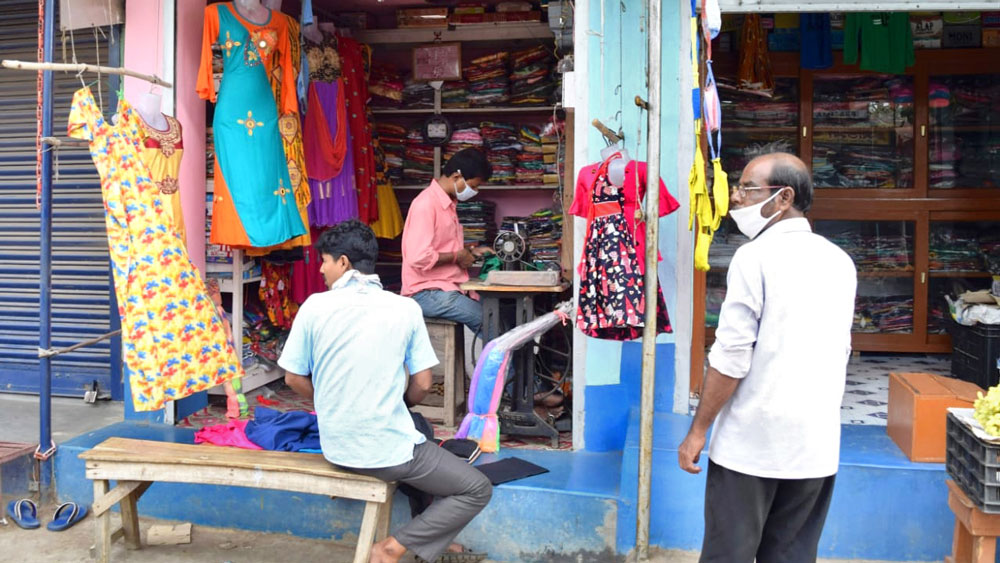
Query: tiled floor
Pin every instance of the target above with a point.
(866, 397)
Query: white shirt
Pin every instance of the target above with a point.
(785, 330)
(354, 341)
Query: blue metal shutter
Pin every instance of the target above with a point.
(80, 268)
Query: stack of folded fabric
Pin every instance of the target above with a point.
(888, 314)
(209, 152)
(545, 238)
(418, 160)
(478, 219)
(393, 140)
(487, 80)
(531, 77)
(530, 167)
(455, 94)
(955, 250)
(465, 136)
(418, 95)
(502, 148)
(385, 86)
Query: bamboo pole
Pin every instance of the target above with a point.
(22, 65)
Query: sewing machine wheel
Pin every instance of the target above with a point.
(509, 246)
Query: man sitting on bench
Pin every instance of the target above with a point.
(347, 351)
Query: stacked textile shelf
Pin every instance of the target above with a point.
(385, 86)
(965, 131)
(530, 167)
(750, 119)
(545, 238)
(465, 136)
(478, 219)
(393, 139)
(502, 148)
(418, 159)
(418, 95)
(487, 80)
(532, 80)
(887, 314)
(863, 131)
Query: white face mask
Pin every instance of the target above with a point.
(749, 220)
(466, 193)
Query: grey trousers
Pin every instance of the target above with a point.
(770, 520)
(462, 491)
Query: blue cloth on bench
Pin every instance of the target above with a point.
(283, 431)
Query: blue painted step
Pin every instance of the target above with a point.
(884, 506)
(570, 510)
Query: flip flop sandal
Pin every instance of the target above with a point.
(24, 513)
(66, 515)
(458, 557)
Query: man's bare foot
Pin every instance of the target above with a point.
(387, 551)
(456, 548)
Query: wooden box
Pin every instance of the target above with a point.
(918, 404)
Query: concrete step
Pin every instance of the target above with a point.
(570, 510)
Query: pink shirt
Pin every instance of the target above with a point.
(431, 229)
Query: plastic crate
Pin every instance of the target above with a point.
(974, 464)
(974, 354)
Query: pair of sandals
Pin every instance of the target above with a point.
(24, 513)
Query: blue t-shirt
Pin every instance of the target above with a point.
(354, 340)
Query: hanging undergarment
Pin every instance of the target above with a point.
(254, 204)
(161, 152)
(173, 342)
(612, 301)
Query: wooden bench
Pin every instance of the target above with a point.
(448, 341)
(137, 464)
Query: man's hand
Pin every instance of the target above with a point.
(690, 451)
(465, 258)
(481, 251)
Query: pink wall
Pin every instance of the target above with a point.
(191, 112)
(143, 53)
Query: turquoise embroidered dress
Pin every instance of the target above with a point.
(253, 204)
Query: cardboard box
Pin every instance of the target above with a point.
(422, 17)
(991, 38)
(918, 404)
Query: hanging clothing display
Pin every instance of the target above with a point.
(329, 158)
(161, 152)
(254, 203)
(290, 127)
(633, 192)
(275, 293)
(611, 302)
(306, 278)
(886, 41)
(173, 342)
(353, 67)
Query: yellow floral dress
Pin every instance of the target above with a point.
(172, 338)
(161, 152)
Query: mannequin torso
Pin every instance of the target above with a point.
(616, 168)
(149, 109)
(253, 10)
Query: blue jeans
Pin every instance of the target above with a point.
(453, 306)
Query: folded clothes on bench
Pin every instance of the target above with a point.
(270, 429)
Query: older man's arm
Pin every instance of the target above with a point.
(301, 384)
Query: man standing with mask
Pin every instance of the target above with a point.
(776, 376)
(435, 259)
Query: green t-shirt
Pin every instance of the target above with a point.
(886, 41)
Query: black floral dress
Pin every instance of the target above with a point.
(611, 302)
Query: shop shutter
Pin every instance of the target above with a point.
(80, 268)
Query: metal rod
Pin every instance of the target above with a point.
(45, 234)
(48, 353)
(49, 66)
(59, 143)
(651, 285)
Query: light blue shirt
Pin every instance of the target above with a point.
(354, 340)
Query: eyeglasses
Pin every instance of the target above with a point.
(742, 190)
